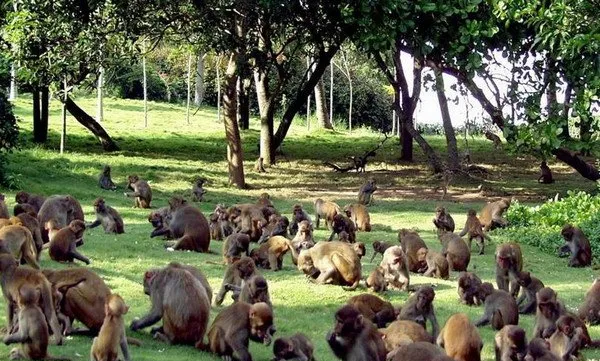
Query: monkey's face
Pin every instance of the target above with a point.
(424, 298)
(245, 267)
(524, 279)
(422, 254)
(148, 278)
(567, 232)
(106, 171)
(77, 227)
(155, 219)
(547, 308)
(261, 323)
(22, 197)
(131, 180)
(99, 205)
(472, 213)
(283, 349)
(440, 212)
(305, 263)
(176, 202)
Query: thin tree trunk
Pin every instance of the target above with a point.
(235, 156)
(146, 86)
(45, 107)
(40, 130)
(218, 80)
(453, 159)
(91, 124)
(189, 89)
(309, 71)
(266, 118)
(321, 106)
(243, 104)
(261, 92)
(331, 94)
(63, 133)
(13, 83)
(100, 98)
(349, 76)
(199, 86)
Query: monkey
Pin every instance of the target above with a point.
(141, 191)
(567, 339)
(12, 278)
(108, 217)
(180, 300)
(395, 268)
(234, 246)
(494, 138)
(460, 339)
(30, 222)
(546, 174)
(303, 238)
(379, 247)
(105, 181)
(235, 273)
(34, 200)
(418, 351)
(254, 290)
(530, 286)
(549, 309)
(198, 190)
(18, 241)
(359, 214)
(160, 220)
(510, 343)
(354, 337)
(24, 208)
(298, 215)
(365, 193)
(443, 221)
(270, 254)
(411, 242)
(509, 262)
(360, 249)
(436, 264)
(249, 219)
(402, 332)
(277, 226)
(419, 308)
(475, 231)
(63, 246)
(589, 311)
(491, 214)
(375, 309)
(326, 210)
(3, 208)
(235, 325)
(456, 252)
(32, 330)
(297, 347)
(331, 262)
(188, 226)
(264, 200)
(539, 350)
(376, 280)
(60, 210)
(500, 309)
(341, 223)
(576, 244)
(214, 225)
(468, 288)
(112, 332)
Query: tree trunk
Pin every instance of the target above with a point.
(199, 86)
(100, 95)
(40, 129)
(453, 159)
(45, 107)
(584, 168)
(12, 95)
(321, 104)
(243, 104)
(145, 84)
(189, 89)
(92, 125)
(261, 92)
(235, 155)
(267, 152)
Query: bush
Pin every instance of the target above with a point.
(9, 132)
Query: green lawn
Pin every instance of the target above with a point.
(170, 154)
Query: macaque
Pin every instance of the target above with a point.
(419, 308)
(379, 247)
(491, 214)
(141, 191)
(500, 309)
(105, 181)
(401, 333)
(359, 214)
(188, 226)
(331, 262)
(577, 245)
(60, 211)
(395, 268)
(3, 208)
(530, 286)
(297, 347)
(539, 350)
(510, 343)
(236, 245)
(546, 174)
(112, 332)
(589, 311)
(494, 138)
(34, 200)
(340, 224)
(376, 280)
(411, 243)
(63, 246)
(456, 252)
(375, 309)
(270, 254)
(549, 309)
(474, 229)
(198, 190)
(443, 221)
(18, 241)
(468, 288)
(568, 338)
(436, 264)
(108, 217)
(365, 193)
(509, 263)
(460, 339)
(326, 210)
(235, 274)
(298, 215)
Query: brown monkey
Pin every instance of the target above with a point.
(298, 215)
(105, 181)
(491, 214)
(254, 290)
(63, 246)
(304, 237)
(576, 244)
(375, 309)
(141, 191)
(460, 339)
(539, 350)
(456, 252)
(297, 347)
(354, 337)
(264, 200)
(331, 262)
(443, 221)
(60, 210)
(360, 249)
(12, 278)
(340, 224)
(108, 217)
(3, 208)
(359, 214)
(402, 332)
(18, 241)
(376, 280)
(546, 174)
(418, 351)
(365, 193)
(160, 220)
(234, 246)
(395, 268)
(419, 308)
(235, 273)
(198, 190)
(589, 311)
(500, 309)
(34, 200)
(188, 226)
(549, 309)
(24, 208)
(468, 288)
(270, 254)
(379, 247)
(436, 264)
(326, 210)
(494, 138)
(180, 300)
(411, 242)
(31, 223)
(509, 262)
(215, 227)
(250, 220)
(530, 286)
(32, 330)
(235, 325)
(474, 229)
(568, 338)
(510, 343)
(105, 347)
(277, 226)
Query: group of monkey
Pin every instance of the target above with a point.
(44, 303)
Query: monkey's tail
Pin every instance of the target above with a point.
(133, 341)
(593, 344)
(353, 287)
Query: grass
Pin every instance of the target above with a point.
(170, 154)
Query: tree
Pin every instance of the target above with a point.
(453, 159)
